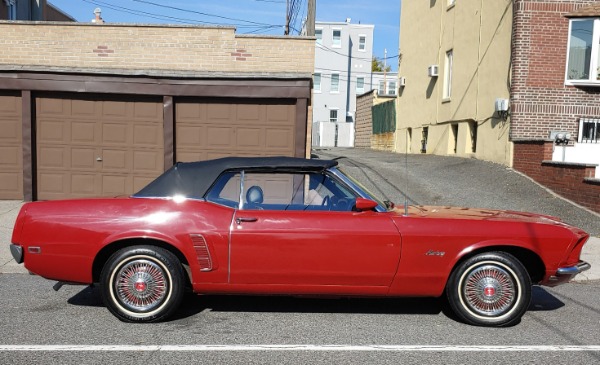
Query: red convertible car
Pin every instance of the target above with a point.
(290, 226)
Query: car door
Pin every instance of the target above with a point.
(288, 237)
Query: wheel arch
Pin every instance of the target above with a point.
(108, 250)
(532, 262)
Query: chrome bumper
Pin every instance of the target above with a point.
(573, 270)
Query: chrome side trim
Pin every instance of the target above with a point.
(573, 270)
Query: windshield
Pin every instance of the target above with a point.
(384, 203)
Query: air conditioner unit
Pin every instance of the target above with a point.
(402, 82)
(433, 70)
(501, 105)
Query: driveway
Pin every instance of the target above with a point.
(442, 180)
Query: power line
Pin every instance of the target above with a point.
(172, 18)
(200, 13)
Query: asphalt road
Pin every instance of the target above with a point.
(440, 180)
(38, 325)
(33, 314)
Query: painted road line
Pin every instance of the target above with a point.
(290, 348)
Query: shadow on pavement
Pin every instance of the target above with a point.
(193, 304)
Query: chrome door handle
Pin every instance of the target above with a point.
(245, 219)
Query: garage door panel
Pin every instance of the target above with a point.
(250, 137)
(54, 131)
(193, 111)
(115, 109)
(83, 184)
(84, 132)
(116, 160)
(54, 157)
(87, 108)
(54, 184)
(147, 135)
(147, 161)
(49, 107)
(10, 130)
(11, 185)
(219, 111)
(116, 185)
(279, 138)
(219, 136)
(116, 134)
(234, 129)
(249, 112)
(148, 111)
(93, 147)
(9, 156)
(276, 114)
(190, 136)
(11, 150)
(83, 158)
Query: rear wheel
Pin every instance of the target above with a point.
(142, 284)
(490, 289)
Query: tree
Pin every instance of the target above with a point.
(377, 65)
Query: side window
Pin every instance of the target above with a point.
(268, 191)
(226, 191)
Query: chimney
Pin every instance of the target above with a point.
(98, 19)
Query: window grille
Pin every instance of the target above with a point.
(589, 130)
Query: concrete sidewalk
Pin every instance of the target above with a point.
(10, 209)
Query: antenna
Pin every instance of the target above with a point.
(406, 174)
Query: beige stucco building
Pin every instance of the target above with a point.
(452, 112)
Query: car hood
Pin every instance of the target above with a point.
(477, 214)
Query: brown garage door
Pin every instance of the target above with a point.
(11, 154)
(97, 147)
(208, 129)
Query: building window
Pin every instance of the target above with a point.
(589, 130)
(582, 58)
(12, 9)
(319, 35)
(381, 90)
(335, 83)
(362, 43)
(448, 75)
(337, 38)
(391, 88)
(317, 82)
(360, 85)
(333, 115)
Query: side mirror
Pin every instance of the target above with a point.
(363, 204)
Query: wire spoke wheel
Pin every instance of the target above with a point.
(489, 290)
(141, 285)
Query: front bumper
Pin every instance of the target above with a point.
(17, 253)
(565, 274)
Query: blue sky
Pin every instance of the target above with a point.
(249, 16)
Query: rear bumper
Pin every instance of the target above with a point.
(17, 253)
(566, 273)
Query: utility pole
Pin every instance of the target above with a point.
(287, 18)
(385, 90)
(311, 16)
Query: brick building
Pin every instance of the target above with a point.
(92, 110)
(555, 87)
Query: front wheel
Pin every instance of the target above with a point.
(142, 284)
(490, 289)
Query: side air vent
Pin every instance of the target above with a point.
(202, 253)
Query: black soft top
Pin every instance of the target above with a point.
(193, 179)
